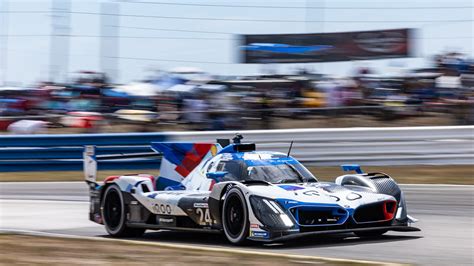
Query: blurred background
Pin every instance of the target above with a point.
(177, 66)
(70, 66)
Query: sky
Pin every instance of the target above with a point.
(144, 45)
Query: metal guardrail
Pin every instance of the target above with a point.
(68, 140)
(369, 146)
(64, 152)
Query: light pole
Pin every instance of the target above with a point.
(109, 40)
(3, 42)
(60, 35)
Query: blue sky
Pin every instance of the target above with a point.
(28, 57)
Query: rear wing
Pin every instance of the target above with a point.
(90, 160)
(179, 159)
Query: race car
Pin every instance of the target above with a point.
(244, 193)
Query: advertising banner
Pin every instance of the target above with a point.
(326, 47)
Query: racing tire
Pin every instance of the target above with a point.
(370, 234)
(114, 214)
(235, 221)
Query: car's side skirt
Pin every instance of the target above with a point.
(160, 227)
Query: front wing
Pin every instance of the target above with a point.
(284, 236)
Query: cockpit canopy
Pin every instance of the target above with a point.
(271, 167)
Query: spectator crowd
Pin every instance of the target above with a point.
(200, 101)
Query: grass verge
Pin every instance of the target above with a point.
(39, 250)
(413, 174)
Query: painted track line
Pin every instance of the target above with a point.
(199, 248)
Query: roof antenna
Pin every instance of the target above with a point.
(289, 150)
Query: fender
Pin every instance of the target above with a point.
(356, 180)
(369, 181)
(215, 198)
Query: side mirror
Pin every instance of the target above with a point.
(351, 167)
(216, 176)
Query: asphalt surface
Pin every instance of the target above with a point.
(445, 216)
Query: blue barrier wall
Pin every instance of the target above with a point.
(64, 152)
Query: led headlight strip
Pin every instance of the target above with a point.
(277, 210)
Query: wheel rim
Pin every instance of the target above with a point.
(234, 216)
(112, 209)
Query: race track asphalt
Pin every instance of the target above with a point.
(445, 216)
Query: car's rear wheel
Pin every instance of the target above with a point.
(368, 234)
(235, 217)
(114, 212)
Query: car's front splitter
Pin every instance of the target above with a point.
(281, 238)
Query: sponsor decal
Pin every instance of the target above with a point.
(311, 193)
(200, 205)
(335, 198)
(254, 156)
(166, 220)
(90, 150)
(325, 47)
(353, 196)
(226, 157)
(261, 234)
(254, 226)
(213, 150)
(381, 42)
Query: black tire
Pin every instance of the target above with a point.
(370, 234)
(114, 212)
(235, 221)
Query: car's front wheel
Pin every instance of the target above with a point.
(235, 220)
(113, 213)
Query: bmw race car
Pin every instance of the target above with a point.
(244, 193)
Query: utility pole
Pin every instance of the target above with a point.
(109, 42)
(3, 42)
(319, 14)
(60, 35)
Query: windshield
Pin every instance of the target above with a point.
(281, 173)
(277, 169)
(273, 173)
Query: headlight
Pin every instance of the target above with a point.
(269, 213)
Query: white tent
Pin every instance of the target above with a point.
(192, 74)
(182, 88)
(185, 70)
